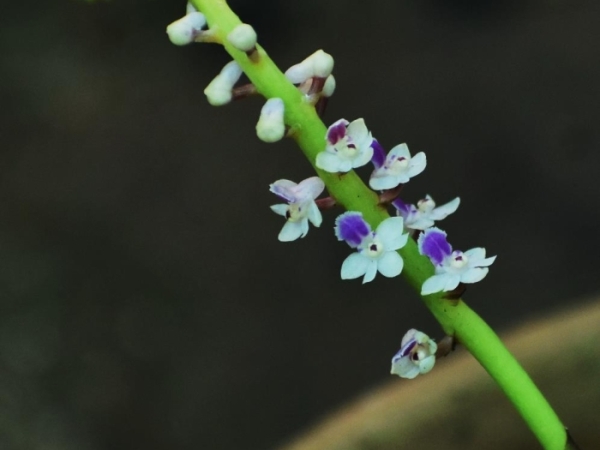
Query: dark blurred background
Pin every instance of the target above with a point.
(145, 300)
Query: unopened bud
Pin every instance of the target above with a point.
(219, 91)
(184, 30)
(271, 125)
(243, 37)
(329, 86)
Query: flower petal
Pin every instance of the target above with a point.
(330, 162)
(314, 214)
(336, 131)
(417, 164)
(352, 228)
(310, 188)
(365, 155)
(405, 368)
(357, 130)
(284, 189)
(391, 233)
(403, 208)
(400, 150)
(452, 280)
(433, 244)
(443, 211)
(378, 154)
(380, 180)
(474, 275)
(280, 209)
(434, 284)
(292, 231)
(371, 271)
(421, 223)
(390, 264)
(354, 266)
(426, 364)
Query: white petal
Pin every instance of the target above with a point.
(426, 364)
(291, 231)
(421, 223)
(280, 209)
(474, 275)
(285, 189)
(310, 188)
(443, 211)
(364, 157)
(487, 261)
(390, 264)
(417, 164)
(314, 214)
(405, 368)
(357, 130)
(391, 233)
(434, 284)
(381, 181)
(354, 266)
(371, 271)
(400, 150)
(475, 254)
(410, 334)
(329, 162)
(452, 280)
(304, 227)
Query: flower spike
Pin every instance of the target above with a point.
(451, 267)
(416, 355)
(301, 206)
(425, 213)
(398, 168)
(376, 250)
(348, 146)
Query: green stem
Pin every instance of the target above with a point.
(455, 317)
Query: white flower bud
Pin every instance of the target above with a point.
(322, 63)
(218, 92)
(329, 86)
(319, 64)
(184, 30)
(243, 37)
(271, 125)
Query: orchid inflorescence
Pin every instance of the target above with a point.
(347, 146)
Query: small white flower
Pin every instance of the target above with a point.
(398, 168)
(219, 91)
(348, 146)
(243, 37)
(416, 355)
(185, 30)
(451, 267)
(301, 207)
(271, 125)
(376, 250)
(425, 214)
(319, 64)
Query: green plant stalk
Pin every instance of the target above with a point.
(455, 317)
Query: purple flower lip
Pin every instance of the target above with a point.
(336, 132)
(352, 228)
(401, 206)
(378, 154)
(405, 351)
(433, 244)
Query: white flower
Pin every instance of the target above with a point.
(451, 267)
(271, 126)
(185, 30)
(416, 355)
(301, 206)
(242, 37)
(376, 250)
(348, 146)
(219, 91)
(398, 168)
(425, 214)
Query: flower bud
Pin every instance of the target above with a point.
(219, 91)
(184, 30)
(271, 125)
(243, 37)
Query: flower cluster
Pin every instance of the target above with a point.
(347, 145)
